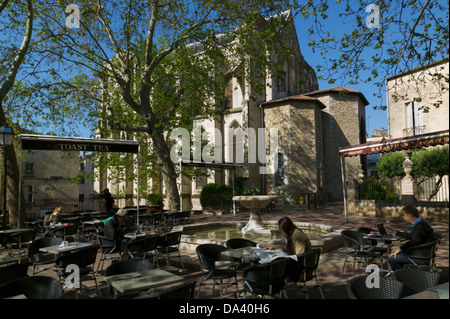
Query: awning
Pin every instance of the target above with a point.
(396, 144)
(64, 143)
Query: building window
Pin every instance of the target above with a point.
(281, 82)
(414, 127)
(29, 169)
(28, 193)
(81, 198)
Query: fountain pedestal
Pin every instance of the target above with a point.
(255, 203)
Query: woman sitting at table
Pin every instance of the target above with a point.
(421, 233)
(49, 219)
(53, 218)
(296, 241)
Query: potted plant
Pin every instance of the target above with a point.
(253, 191)
(154, 202)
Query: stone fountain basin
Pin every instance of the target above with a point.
(255, 201)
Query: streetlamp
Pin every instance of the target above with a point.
(6, 138)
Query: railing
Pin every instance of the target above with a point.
(38, 207)
(381, 189)
(412, 131)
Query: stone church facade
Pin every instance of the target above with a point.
(312, 124)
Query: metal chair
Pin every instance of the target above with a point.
(142, 247)
(20, 240)
(418, 279)
(66, 231)
(208, 255)
(354, 242)
(266, 279)
(425, 252)
(357, 288)
(38, 258)
(169, 244)
(108, 247)
(34, 287)
(84, 259)
(305, 269)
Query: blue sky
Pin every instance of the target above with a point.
(375, 119)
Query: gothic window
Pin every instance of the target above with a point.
(281, 81)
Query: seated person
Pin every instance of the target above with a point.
(53, 218)
(114, 227)
(50, 219)
(421, 233)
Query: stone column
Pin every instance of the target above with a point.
(409, 188)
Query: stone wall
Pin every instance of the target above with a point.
(299, 141)
(431, 211)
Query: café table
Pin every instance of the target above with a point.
(142, 280)
(59, 249)
(436, 292)
(243, 254)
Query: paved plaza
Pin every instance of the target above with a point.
(329, 271)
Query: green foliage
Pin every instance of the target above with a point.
(391, 165)
(373, 188)
(410, 34)
(239, 183)
(431, 161)
(155, 199)
(212, 195)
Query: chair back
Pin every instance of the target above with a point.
(142, 244)
(352, 239)
(170, 239)
(64, 231)
(423, 251)
(82, 258)
(35, 245)
(389, 289)
(306, 263)
(127, 266)
(107, 245)
(34, 287)
(234, 243)
(22, 237)
(266, 279)
(11, 272)
(208, 254)
(418, 279)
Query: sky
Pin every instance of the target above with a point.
(375, 119)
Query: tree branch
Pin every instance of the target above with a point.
(9, 81)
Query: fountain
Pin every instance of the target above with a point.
(255, 203)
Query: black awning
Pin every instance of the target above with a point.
(63, 143)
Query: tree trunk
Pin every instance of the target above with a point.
(168, 171)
